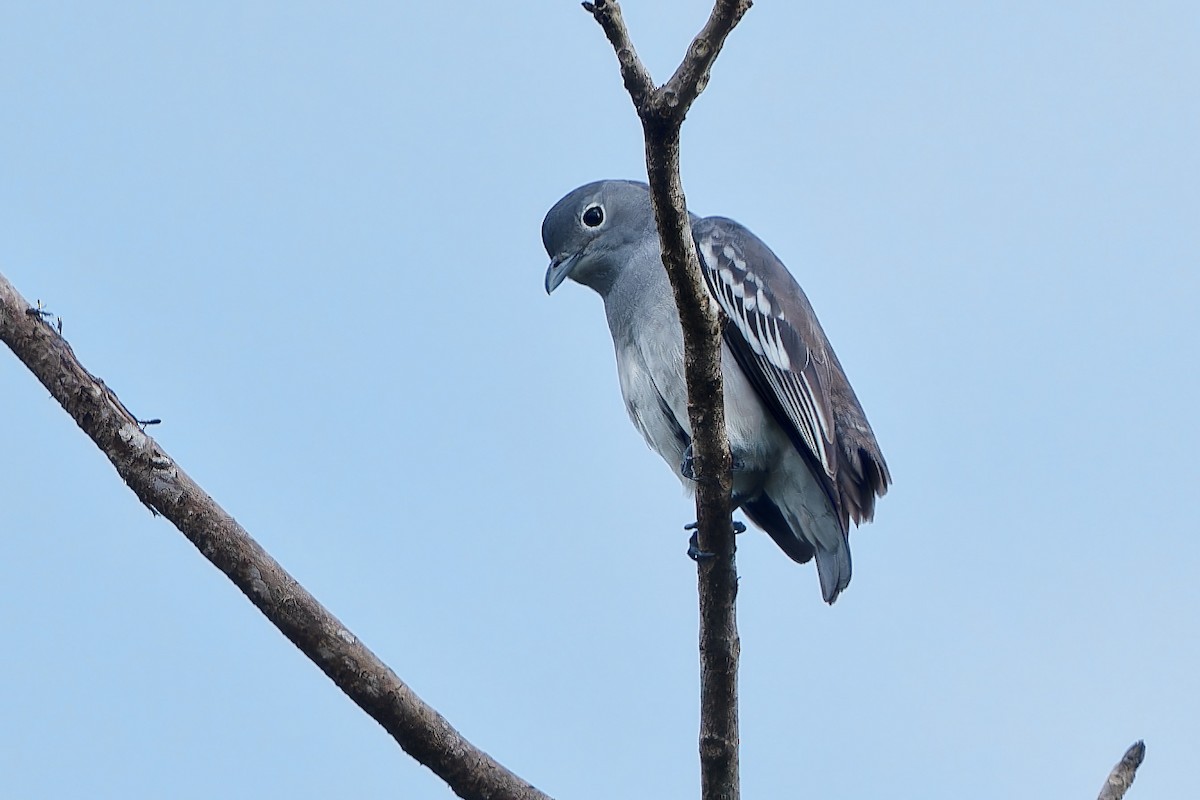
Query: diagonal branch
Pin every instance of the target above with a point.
(691, 76)
(637, 78)
(166, 489)
(1122, 775)
(662, 112)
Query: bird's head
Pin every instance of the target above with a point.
(590, 233)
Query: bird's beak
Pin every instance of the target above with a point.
(560, 268)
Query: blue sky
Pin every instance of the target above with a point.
(308, 240)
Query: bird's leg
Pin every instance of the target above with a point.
(687, 467)
(694, 551)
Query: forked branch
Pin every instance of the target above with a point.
(662, 111)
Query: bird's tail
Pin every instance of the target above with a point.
(802, 521)
(833, 568)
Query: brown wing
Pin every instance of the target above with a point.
(777, 340)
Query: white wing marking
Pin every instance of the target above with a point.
(743, 297)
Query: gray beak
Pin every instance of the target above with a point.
(559, 270)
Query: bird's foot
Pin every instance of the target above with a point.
(687, 467)
(694, 552)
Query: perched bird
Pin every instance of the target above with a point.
(805, 461)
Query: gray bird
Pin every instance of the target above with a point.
(805, 461)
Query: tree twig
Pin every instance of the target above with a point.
(167, 490)
(1122, 775)
(662, 111)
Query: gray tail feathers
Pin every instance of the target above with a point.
(833, 567)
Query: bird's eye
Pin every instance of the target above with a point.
(593, 216)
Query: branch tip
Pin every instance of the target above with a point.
(1122, 775)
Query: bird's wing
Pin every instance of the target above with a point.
(776, 339)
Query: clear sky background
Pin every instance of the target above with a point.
(308, 240)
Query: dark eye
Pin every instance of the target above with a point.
(593, 216)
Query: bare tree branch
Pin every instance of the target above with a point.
(1122, 775)
(662, 111)
(166, 489)
(692, 75)
(637, 78)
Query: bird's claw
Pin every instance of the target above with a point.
(687, 467)
(737, 525)
(694, 552)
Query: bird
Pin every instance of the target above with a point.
(805, 460)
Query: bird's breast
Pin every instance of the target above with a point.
(650, 370)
